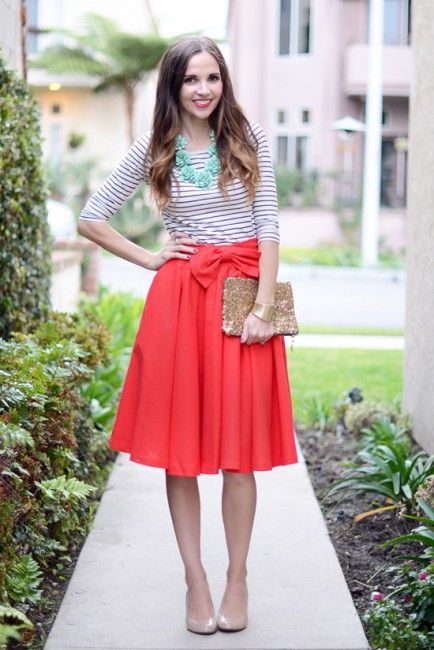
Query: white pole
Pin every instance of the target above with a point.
(372, 155)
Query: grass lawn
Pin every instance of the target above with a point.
(327, 373)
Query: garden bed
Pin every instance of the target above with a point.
(356, 544)
(44, 613)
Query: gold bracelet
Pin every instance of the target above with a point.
(266, 312)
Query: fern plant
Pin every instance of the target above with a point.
(12, 623)
(23, 580)
(61, 497)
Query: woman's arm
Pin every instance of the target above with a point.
(266, 217)
(131, 171)
(268, 268)
(110, 239)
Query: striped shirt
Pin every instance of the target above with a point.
(201, 213)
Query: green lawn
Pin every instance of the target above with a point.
(329, 372)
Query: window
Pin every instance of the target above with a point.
(32, 26)
(301, 152)
(282, 150)
(393, 188)
(305, 116)
(293, 151)
(55, 142)
(294, 26)
(281, 117)
(53, 13)
(397, 22)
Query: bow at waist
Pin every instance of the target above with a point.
(205, 264)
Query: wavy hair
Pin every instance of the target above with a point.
(236, 143)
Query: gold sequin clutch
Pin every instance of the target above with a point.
(239, 295)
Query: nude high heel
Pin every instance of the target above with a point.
(200, 626)
(231, 623)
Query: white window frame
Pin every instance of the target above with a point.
(294, 30)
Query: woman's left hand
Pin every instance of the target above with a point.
(256, 330)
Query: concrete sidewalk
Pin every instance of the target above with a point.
(322, 295)
(353, 341)
(128, 589)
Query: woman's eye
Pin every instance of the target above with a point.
(213, 77)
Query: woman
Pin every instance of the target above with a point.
(196, 400)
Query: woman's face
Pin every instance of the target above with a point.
(202, 86)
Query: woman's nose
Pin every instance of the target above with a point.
(203, 88)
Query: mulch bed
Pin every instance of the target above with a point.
(356, 544)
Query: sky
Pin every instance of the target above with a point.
(186, 16)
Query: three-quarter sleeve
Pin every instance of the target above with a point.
(132, 170)
(265, 210)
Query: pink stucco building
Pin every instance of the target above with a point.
(300, 65)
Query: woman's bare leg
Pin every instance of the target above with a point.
(184, 505)
(238, 510)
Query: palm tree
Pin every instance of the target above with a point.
(115, 58)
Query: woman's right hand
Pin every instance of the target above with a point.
(178, 245)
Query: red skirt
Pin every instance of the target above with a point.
(196, 400)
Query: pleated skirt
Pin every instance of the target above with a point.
(196, 400)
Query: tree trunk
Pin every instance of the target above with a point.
(23, 35)
(129, 95)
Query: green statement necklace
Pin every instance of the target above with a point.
(201, 178)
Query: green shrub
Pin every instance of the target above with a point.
(290, 181)
(58, 396)
(364, 414)
(25, 253)
(318, 412)
(14, 624)
(392, 629)
(385, 432)
(387, 470)
(120, 313)
(49, 445)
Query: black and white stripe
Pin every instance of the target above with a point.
(201, 213)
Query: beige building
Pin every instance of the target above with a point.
(68, 105)
(300, 65)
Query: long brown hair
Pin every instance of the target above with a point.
(236, 143)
